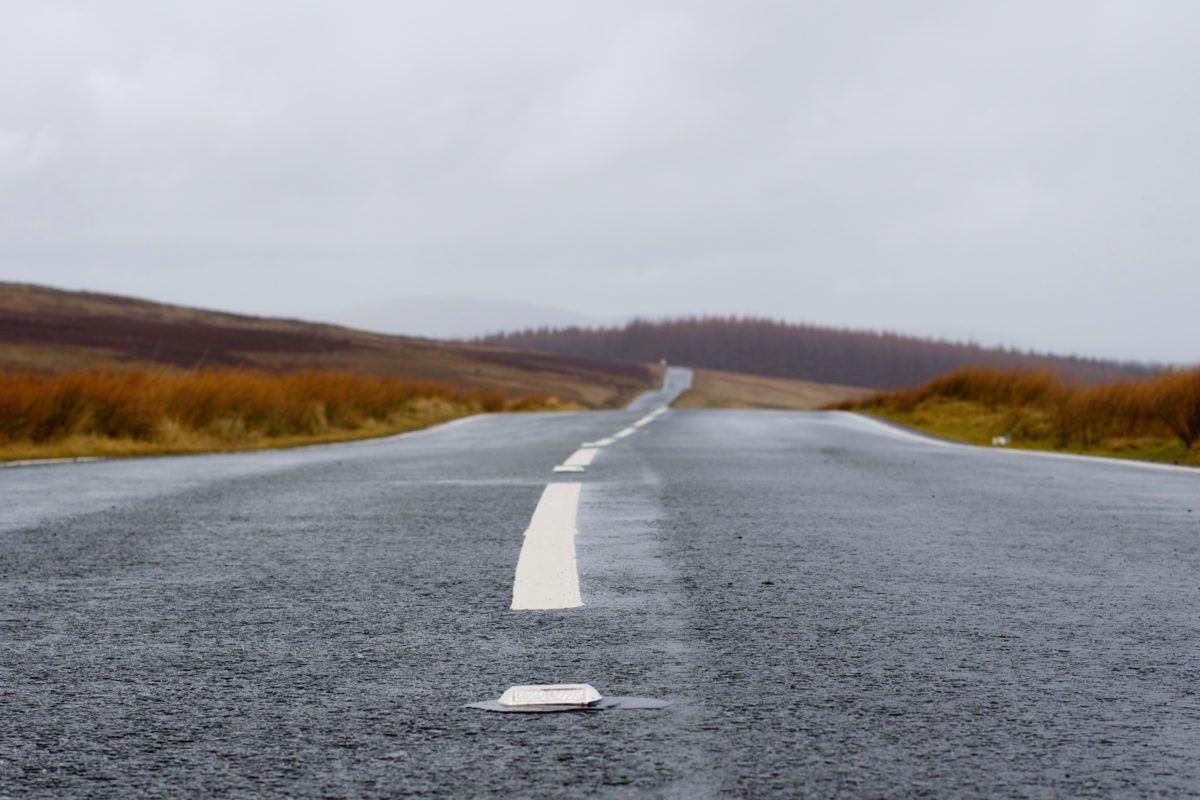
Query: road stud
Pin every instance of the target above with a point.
(558, 697)
(561, 694)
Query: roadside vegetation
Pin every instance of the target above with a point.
(1155, 418)
(105, 412)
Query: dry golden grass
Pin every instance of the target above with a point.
(138, 412)
(1155, 418)
(717, 389)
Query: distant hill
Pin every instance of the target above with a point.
(804, 352)
(457, 317)
(51, 329)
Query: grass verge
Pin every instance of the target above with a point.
(1154, 419)
(133, 413)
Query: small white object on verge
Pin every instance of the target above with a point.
(559, 694)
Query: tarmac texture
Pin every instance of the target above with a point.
(832, 611)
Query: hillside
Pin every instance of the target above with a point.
(802, 352)
(715, 389)
(52, 330)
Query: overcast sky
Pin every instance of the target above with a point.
(1024, 172)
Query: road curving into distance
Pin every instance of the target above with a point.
(831, 610)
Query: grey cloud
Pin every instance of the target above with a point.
(1017, 171)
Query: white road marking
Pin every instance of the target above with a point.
(571, 463)
(578, 460)
(916, 437)
(547, 575)
(653, 415)
(49, 462)
(581, 458)
(898, 433)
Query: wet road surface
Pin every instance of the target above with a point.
(832, 610)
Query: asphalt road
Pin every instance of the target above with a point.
(833, 610)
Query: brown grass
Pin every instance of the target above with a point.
(1156, 417)
(99, 411)
(717, 389)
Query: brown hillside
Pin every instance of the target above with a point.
(52, 330)
(715, 389)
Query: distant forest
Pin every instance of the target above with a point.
(807, 352)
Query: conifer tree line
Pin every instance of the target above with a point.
(808, 352)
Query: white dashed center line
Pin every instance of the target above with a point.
(547, 577)
(577, 461)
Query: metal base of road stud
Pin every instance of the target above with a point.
(560, 697)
